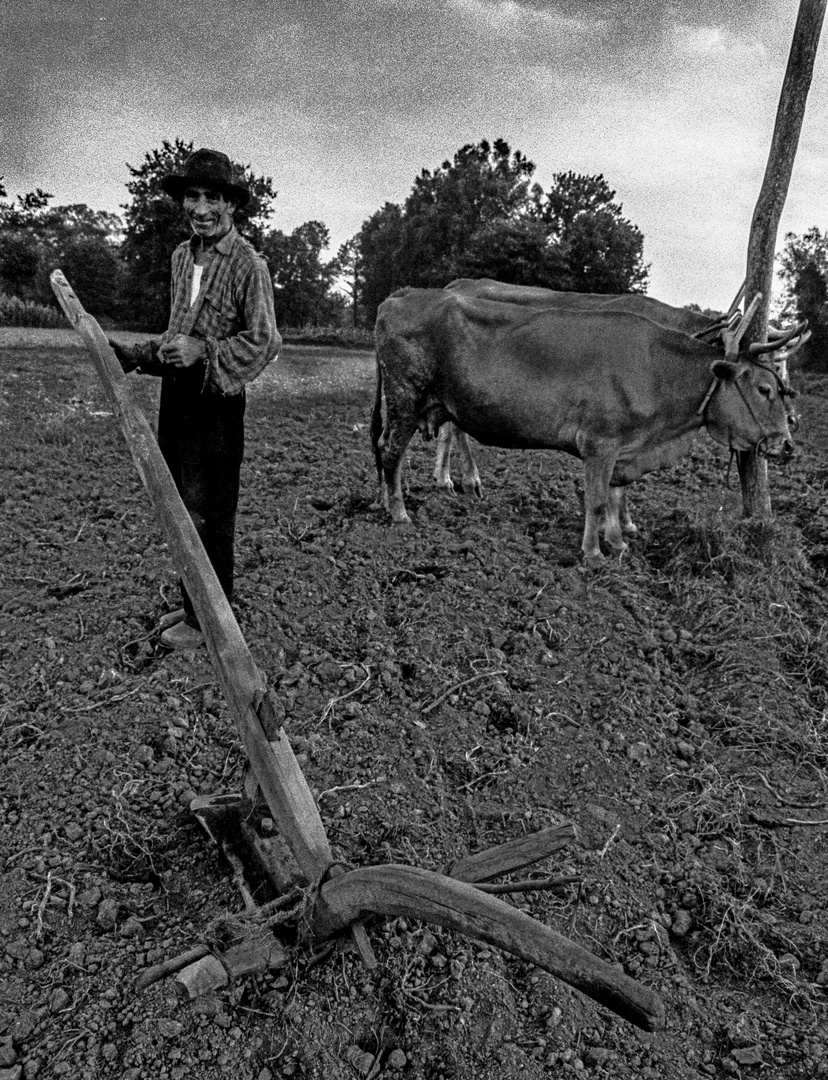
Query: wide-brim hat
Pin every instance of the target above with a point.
(207, 168)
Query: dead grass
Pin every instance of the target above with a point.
(126, 841)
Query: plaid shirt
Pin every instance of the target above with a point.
(233, 312)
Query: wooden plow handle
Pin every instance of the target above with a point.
(274, 764)
(421, 894)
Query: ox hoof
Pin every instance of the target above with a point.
(630, 530)
(448, 487)
(615, 545)
(475, 489)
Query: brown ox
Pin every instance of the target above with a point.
(615, 389)
(691, 322)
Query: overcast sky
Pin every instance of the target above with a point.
(342, 103)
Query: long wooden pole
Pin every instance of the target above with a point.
(274, 765)
(753, 472)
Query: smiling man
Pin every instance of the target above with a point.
(222, 334)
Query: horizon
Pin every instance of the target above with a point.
(344, 104)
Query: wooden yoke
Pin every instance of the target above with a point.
(339, 900)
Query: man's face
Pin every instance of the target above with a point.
(209, 213)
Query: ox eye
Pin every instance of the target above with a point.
(764, 390)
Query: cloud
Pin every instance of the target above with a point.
(343, 103)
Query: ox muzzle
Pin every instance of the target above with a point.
(779, 447)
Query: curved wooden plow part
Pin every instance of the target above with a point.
(421, 894)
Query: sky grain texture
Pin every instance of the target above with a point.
(343, 104)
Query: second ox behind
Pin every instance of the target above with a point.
(617, 390)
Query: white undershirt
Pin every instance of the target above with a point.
(197, 272)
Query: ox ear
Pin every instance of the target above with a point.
(724, 370)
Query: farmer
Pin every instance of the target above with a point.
(222, 334)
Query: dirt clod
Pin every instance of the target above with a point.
(447, 687)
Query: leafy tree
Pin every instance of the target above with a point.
(95, 270)
(303, 282)
(21, 247)
(377, 245)
(20, 259)
(155, 225)
(26, 211)
(84, 243)
(349, 267)
(446, 208)
(481, 215)
(36, 239)
(601, 249)
(517, 252)
(804, 272)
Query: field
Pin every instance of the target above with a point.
(447, 686)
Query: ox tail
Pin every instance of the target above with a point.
(376, 423)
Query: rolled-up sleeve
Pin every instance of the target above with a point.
(237, 359)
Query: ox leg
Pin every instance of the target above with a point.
(441, 466)
(392, 444)
(628, 526)
(471, 477)
(601, 506)
(613, 519)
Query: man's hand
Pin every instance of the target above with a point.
(183, 351)
(126, 356)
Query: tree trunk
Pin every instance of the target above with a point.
(753, 472)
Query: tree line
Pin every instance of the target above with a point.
(480, 214)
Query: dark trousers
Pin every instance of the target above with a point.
(201, 436)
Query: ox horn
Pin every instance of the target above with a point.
(713, 330)
(774, 334)
(733, 337)
(780, 361)
(777, 342)
(795, 347)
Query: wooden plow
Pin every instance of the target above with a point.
(336, 900)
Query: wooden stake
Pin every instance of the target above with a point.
(753, 470)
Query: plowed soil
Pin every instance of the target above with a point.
(447, 686)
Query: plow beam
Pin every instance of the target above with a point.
(421, 894)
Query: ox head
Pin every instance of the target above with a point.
(749, 407)
(754, 410)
